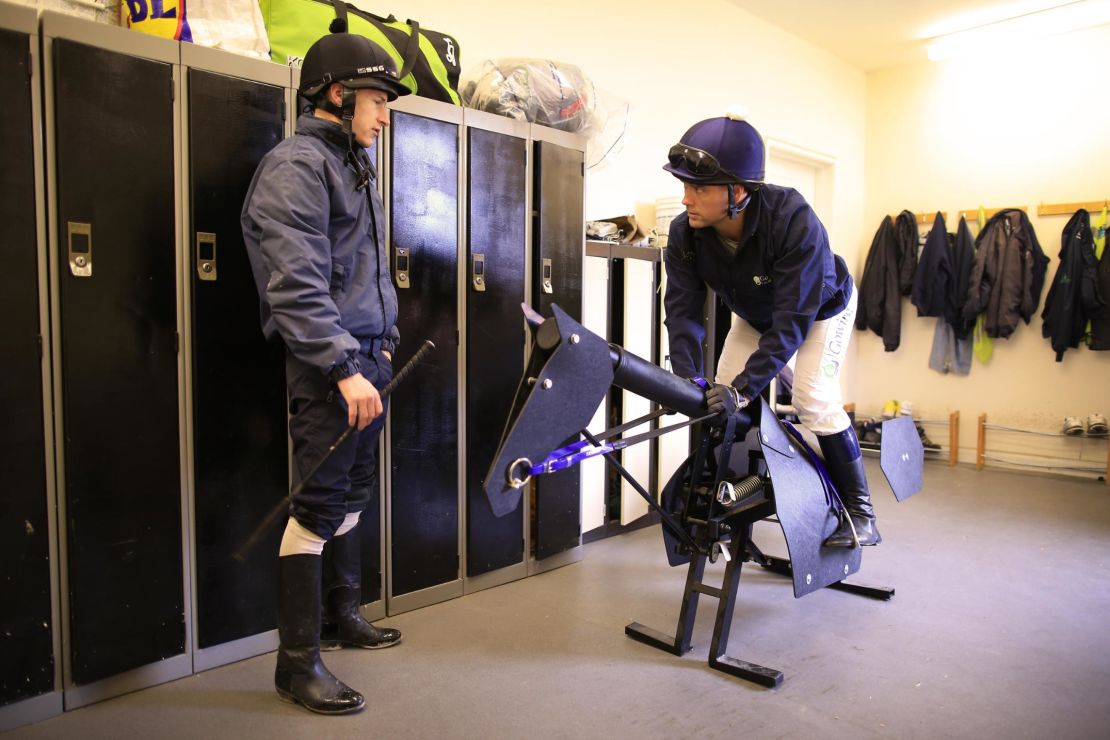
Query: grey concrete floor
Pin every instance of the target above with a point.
(1000, 628)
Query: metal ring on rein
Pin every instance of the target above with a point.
(515, 482)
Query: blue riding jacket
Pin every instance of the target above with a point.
(316, 248)
(782, 278)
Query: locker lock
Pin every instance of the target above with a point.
(79, 241)
(206, 255)
(401, 266)
(546, 284)
(478, 272)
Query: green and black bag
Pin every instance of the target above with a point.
(428, 60)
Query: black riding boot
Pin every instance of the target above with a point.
(344, 625)
(300, 676)
(845, 465)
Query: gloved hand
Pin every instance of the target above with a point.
(724, 400)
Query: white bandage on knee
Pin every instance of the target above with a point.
(299, 541)
(348, 524)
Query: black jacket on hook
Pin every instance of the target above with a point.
(887, 276)
(1074, 296)
(962, 260)
(1100, 324)
(1008, 275)
(934, 273)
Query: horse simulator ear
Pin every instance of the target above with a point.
(902, 457)
(745, 468)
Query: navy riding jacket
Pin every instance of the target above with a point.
(315, 244)
(782, 278)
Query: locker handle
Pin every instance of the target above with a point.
(401, 266)
(478, 272)
(206, 255)
(79, 243)
(546, 277)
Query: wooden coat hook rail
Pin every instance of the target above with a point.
(1067, 209)
(972, 214)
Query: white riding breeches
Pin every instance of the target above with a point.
(817, 367)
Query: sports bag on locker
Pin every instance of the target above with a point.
(428, 60)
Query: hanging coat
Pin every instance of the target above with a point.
(962, 259)
(1008, 276)
(930, 284)
(1100, 325)
(887, 276)
(1074, 296)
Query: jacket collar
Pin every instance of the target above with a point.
(323, 129)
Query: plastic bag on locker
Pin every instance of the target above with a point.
(537, 90)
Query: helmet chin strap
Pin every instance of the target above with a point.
(735, 208)
(356, 155)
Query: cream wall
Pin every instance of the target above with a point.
(1010, 131)
(676, 65)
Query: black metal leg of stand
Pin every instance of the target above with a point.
(783, 568)
(680, 643)
(726, 603)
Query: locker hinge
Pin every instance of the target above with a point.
(173, 93)
(40, 347)
(458, 341)
(30, 64)
(284, 110)
(176, 343)
(583, 169)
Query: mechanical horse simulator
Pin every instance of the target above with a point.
(743, 469)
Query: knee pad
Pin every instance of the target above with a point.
(300, 541)
(349, 523)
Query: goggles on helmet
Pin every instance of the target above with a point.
(695, 160)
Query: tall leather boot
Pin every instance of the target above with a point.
(845, 465)
(344, 625)
(300, 676)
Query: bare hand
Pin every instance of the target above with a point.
(363, 402)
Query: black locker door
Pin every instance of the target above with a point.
(496, 184)
(239, 436)
(115, 182)
(557, 253)
(26, 642)
(424, 496)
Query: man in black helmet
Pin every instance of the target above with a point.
(763, 251)
(313, 226)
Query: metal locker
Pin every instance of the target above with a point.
(235, 113)
(423, 429)
(112, 128)
(28, 627)
(558, 248)
(494, 282)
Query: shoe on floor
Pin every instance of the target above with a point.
(925, 441)
(1096, 424)
(1072, 426)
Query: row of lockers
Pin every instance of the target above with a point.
(145, 418)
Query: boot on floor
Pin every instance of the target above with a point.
(845, 465)
(301, 676)
(344, 625)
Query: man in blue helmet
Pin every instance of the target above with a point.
(313, 227)
(763, 251)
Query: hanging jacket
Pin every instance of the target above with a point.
(887, 276)
(930, 284)
(1074, 296)
(1100, 325)
(962, 260)
(1008, 275)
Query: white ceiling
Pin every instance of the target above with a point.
(873, 34)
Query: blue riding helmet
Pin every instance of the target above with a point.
(719, 151)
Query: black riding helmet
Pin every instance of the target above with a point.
(352, 60)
